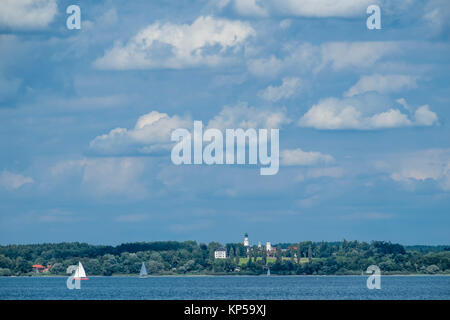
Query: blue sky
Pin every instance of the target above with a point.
(86, 116)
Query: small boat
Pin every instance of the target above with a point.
(268, 271)
(143, 273)
(80, 274)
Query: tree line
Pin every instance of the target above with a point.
(190, 257)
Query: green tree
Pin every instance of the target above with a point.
(238, 259)
(58, 268)
(5, 272)
(279, 255)
(22, 266)
(231, 254)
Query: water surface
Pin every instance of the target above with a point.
(227, 287)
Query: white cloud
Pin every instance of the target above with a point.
(425, 117)
(404, 104)
(331, 172)
(308, 202)
(266, 66)
(207, 41)
(285, 24)
(392, 118)
(419, 166)
(336, 114)
(105, 175)
(288, 88)
(249, 8)
(114, 175)
(437, 15)
(9, 180)
(301, 8)
(245, 117)
(306, 57)
(298, 157)
(150, 134)
(342, 55)
(382, 84)
(27, 14)
(323, 8)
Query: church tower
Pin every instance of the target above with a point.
(246, 240)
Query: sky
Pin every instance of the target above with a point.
(86, 117)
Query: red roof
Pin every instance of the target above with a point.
(39, 266)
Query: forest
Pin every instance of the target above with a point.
(191, 258)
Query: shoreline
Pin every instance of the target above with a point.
(233, 275)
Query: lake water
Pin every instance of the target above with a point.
(228, 287)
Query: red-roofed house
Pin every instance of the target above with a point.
(38, 268)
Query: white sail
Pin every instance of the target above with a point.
(143, 272)
(80, 273)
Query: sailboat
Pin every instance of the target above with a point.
(268, 271)
(80, 274)
(143, 273)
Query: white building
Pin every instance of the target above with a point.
(246, 244)
(268, 246)
(220, 253)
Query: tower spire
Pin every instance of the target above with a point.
(246, 244)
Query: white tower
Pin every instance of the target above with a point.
(268, 246)
(246, 240)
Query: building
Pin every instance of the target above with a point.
(246, 243)
(268, 246)
(38, 268)
(220, 253)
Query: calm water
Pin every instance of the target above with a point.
(232, 287)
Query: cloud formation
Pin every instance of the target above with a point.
(151, 134)
(245, 117)
(298, 157)
(288, 88)
(104, 175)
(337, 114)
(10, 180)
(207, 41)
(306, 57)
(250, 8)
(419, 166)
(27, 14)
(299, 8)
(323, 8)
(152, 131)
(382, 84)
